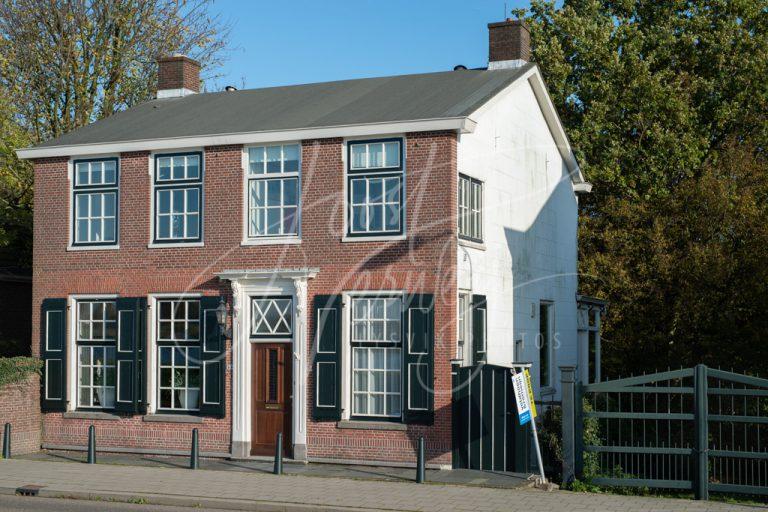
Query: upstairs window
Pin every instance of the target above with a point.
(273, 191)
(178, 188)
(544, 341)
(375, 185)
(94, 195)
(470, 209)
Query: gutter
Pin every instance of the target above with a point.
(458, 124)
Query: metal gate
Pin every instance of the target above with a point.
(696, 429)
(486, 432)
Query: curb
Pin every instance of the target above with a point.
(191, 502)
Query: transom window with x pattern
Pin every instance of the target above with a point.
(271, 317)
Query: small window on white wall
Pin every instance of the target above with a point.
(470, 209)
(545, 343)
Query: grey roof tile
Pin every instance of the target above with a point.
(348, 102)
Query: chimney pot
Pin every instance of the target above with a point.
(177, 75)
(509, 44)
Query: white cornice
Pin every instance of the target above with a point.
(269, 273)
(459, 124)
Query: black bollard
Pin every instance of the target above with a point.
(278, 470)
(420, 462)
(91, 445)
(7, 441)
(194, 458)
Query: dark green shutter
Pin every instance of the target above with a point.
(213, 355)
(53, 352)
(327, 364)
(130, 338)
(479, 319)
(418, 359)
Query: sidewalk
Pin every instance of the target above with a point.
(236, 490)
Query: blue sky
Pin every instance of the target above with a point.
(300, 41)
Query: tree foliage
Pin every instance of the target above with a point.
(666, 104)
(67, 63)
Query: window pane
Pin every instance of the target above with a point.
(193, 167)
(377, 358)
(273, 221)
(360, 308)
(85, 358)
(375, 191)
(256, 160)
(360, 331)
(178, 167)
(392, 150)
(377, 381)
(82, 205)
(193, 226)
(193, 310)
(393, 331)
(291, 156)
(164, 201)
(358, 156)
(165, 399)
(377, 308)
(393, 190)
(273, 159)
(289, 192)
(95, 231)
(358, 192)
(82, 174)
(109, 205)
(393, 405)
(258, 198)
(177, 202)
(361, 404)
(96, 205)
(377, 330)
(361, 358)
(375, 155)
(273, 192)
(109, 230)
(375, 218)
(97, 177)
(193, 203)
(110, 172)
(164, 168)
(393, 382)
(359, 219)
(290, 221)
(376, 403)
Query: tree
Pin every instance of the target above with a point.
(67, 63)
(659, 98)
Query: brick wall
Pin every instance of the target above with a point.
(20, 405)
(423, 263)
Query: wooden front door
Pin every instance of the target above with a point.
(271, 408)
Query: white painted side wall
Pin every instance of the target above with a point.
(530, 229)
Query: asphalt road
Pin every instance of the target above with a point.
(28, 504)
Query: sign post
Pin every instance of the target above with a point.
(526, 410)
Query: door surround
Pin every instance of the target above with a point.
(245, 284)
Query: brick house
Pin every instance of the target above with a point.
(308, 260)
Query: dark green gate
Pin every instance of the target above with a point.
(486, 433)
(695, 429)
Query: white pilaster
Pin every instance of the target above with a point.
(300, 372)
(241, 431)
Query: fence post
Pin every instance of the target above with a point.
(7, 441)
(278, 467)
(194, 458)
(91, 445)
(420, 462)
(701, 482)
(578, 430)
(567, 378)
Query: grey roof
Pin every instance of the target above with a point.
(448, 94)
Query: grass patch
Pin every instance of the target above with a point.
(14, 370)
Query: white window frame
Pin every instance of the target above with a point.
(160, 367)
(186, 320)
(464, 327)
(550, 305)
(401, 170)
(287, 317)
(169, 184)
(75, 189)
(471, 216)
(90, 343)
(347, 363)
(286, 239)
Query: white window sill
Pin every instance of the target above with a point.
(93, 247)
(271, 241)
(175, 244)
(370, 425)
(480, 246)
(172, 418)
(373, 238)
(90, 415)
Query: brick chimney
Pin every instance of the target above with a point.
(177, 75)
(509, 44)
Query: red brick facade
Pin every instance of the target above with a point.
(178, 72)
(425, 262)
(20, 405)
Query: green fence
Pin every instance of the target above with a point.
(697, 429)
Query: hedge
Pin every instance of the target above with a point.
(16, 369)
